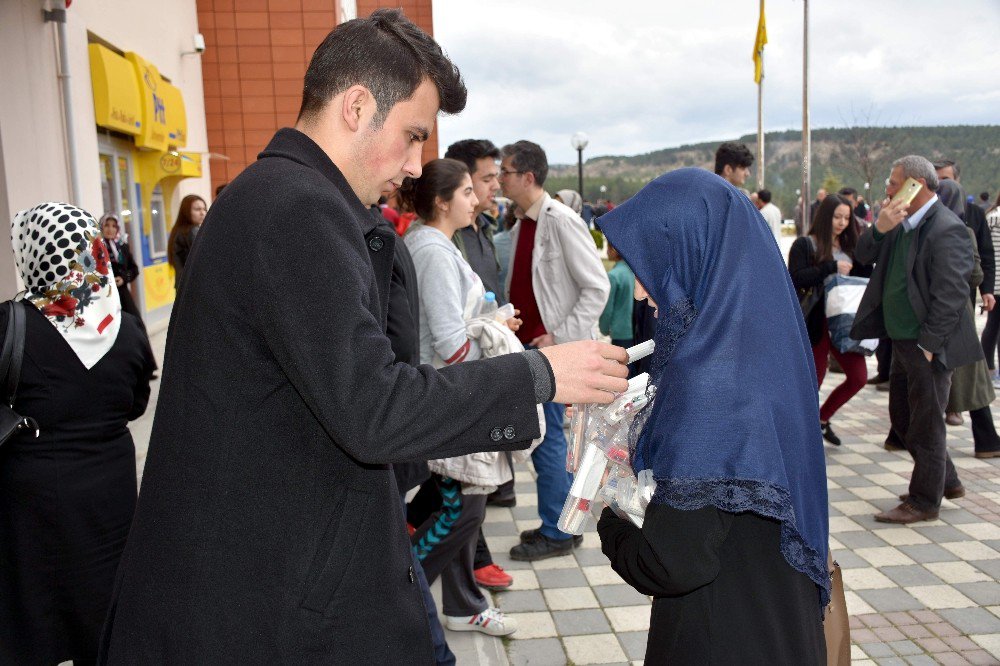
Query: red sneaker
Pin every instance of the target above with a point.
(493, 577)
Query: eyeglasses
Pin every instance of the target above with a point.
(505, 172)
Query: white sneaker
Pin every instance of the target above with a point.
(491, 621)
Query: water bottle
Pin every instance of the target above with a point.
(488, 305)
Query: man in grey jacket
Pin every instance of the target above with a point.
(560, 286)
(918, 297)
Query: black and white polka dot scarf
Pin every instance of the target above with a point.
(67, 275)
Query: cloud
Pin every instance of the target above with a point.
(638, 75)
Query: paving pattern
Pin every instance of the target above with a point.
(917, 595)
(920, 594)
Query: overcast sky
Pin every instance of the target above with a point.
(639, 75)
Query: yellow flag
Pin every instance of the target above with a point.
(758, 47)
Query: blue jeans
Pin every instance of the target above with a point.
(553, 481)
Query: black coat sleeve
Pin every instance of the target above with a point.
(147, 366)
(984, 241)
(130, 271)
(804, 271)
(675, 551)
(402, 330)
(327, 338)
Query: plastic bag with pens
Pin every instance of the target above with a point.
(598, 455)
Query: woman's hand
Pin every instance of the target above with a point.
(514, 323)
(844, 267)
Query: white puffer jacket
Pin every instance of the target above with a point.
(485, 471)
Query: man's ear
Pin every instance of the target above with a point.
(353, 109)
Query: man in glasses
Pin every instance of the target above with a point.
(559, 284)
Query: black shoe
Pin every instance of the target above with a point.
(540, 548)
(828, 434)
(874, 381)
(495, 499)
(531, 535)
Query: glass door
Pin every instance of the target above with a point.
(120, 199)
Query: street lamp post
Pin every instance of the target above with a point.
(579, 142)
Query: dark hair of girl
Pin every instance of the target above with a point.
(440, 178)
(822, 229)
(183, 224)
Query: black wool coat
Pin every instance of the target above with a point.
(269, 528)
(939, 264)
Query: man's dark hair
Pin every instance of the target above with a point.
(734, 154)
(385, 53)
(470, 151)
(984, 196)
(847, 192)
(940, 164)
(764, 196)
(528, 157)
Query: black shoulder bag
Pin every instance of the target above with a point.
(12, 423)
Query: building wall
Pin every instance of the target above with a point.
(256, 57)
(33, 148)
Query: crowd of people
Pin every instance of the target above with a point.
(324, 451)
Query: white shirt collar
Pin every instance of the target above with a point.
(913, 221)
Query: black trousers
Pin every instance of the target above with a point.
(991, 334)
(883, 354)
(984, 432)
(428, 500)
(918, 395)
(445, 546)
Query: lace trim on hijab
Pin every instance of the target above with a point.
(759, 497)
(729, 495)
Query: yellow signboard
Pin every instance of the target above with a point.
(116, 97)
(153, 134)
(176, 115)
(158, 282)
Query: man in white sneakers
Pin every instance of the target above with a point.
(559, 284)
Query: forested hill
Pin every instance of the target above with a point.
(843, 156)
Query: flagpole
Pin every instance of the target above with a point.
(806, 148)
(760, 118)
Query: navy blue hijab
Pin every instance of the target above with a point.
(735, 420)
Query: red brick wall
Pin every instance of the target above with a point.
(256, 53)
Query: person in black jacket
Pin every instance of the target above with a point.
(67, 497)
(270, 528)
(190, 216)
(975, 219)
(826, 251)
(122, 263)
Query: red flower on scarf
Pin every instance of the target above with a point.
(100, 253)
(64, 306)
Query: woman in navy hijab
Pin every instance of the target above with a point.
(734, 543)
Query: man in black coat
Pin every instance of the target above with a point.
(269, 528)
(975, 219)
(918, 296)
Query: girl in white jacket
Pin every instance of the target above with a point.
(450, 294)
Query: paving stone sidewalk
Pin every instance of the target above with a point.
(917, 595)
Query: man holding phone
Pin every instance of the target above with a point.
(918, 297)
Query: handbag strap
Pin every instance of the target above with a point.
(13, 350)
(8, 343)
(17, 353)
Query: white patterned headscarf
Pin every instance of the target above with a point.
(65, 267)
(572, 199)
